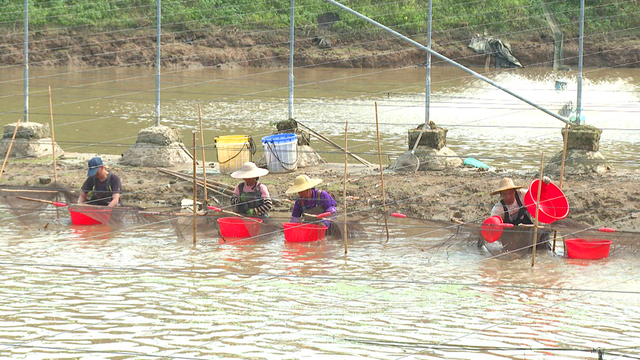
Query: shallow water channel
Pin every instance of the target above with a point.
(102, 110)
(93, 292)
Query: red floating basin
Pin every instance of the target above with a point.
(300, 232)
(89, 215)
(588, 249)
(235, 227)
(553, 204)
(492, 227)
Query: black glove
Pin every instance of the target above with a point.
(242, 208)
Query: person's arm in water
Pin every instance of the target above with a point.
(116, 188)
(114, 200)
(84, 190)
(267, 204)
(296, 213)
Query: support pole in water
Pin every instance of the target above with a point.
(451, 62)
(26, 61)
(6, 157)
(291, 34)
(204, 161)
(344, 188)
(564, 156)
(428, 81)
(53, 149)
(384, 200)
(580, 51)
(195, 193)
(535, 228)
(158, 37)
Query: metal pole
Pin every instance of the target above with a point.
(158, 36)
(26, 61)
(580, 50)
(413, 42)
(291, 34)
(428, 84)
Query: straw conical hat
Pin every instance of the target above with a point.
(302, 183)
(249, 170)
(506, 184)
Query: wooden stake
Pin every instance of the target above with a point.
(53, 149)
(344, 192)
(204, 161)
(384, 200)
(6, 157)
(535, 228)
(195, 193)
(564, 155)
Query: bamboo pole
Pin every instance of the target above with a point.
(535, 229)
(564, 156)
(53, 149)
(212, 185)
(384, 200)
(195, 193)
(204, 161)
(6, 157)
(344, 188)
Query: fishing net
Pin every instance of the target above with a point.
(28, 204)
(407, 162)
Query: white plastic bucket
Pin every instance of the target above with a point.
(281, 152)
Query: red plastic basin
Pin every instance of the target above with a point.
(235, 227)
(300, 232)
(490, 229)
(588, 249)
(553, 204)
(89, 215)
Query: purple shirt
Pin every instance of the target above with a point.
(326, 201)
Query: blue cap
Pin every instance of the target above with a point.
(94, 165)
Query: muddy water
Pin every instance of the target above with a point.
(90, 293)
(82, 292)
(101, 110)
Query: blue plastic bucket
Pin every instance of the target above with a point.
(281, 152)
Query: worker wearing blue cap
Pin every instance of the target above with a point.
(101, 187)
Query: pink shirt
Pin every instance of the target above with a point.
(264, 193)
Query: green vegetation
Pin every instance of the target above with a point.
(409, 16)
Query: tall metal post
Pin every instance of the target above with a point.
(449, 61)
(26, 61)
(428, 84)
(580, 50)
(158, 37)
(291, 34)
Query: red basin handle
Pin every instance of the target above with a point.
(506, 225)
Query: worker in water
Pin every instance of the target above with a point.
(101, 187)
(312, 201)
(511, 207)
(250, 197)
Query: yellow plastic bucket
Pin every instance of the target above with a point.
(233, 151)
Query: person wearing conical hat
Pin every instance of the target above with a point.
(250, 197)
(312, 200)
(511, 207)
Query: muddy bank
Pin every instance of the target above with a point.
(463, 193)
(270, 48)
